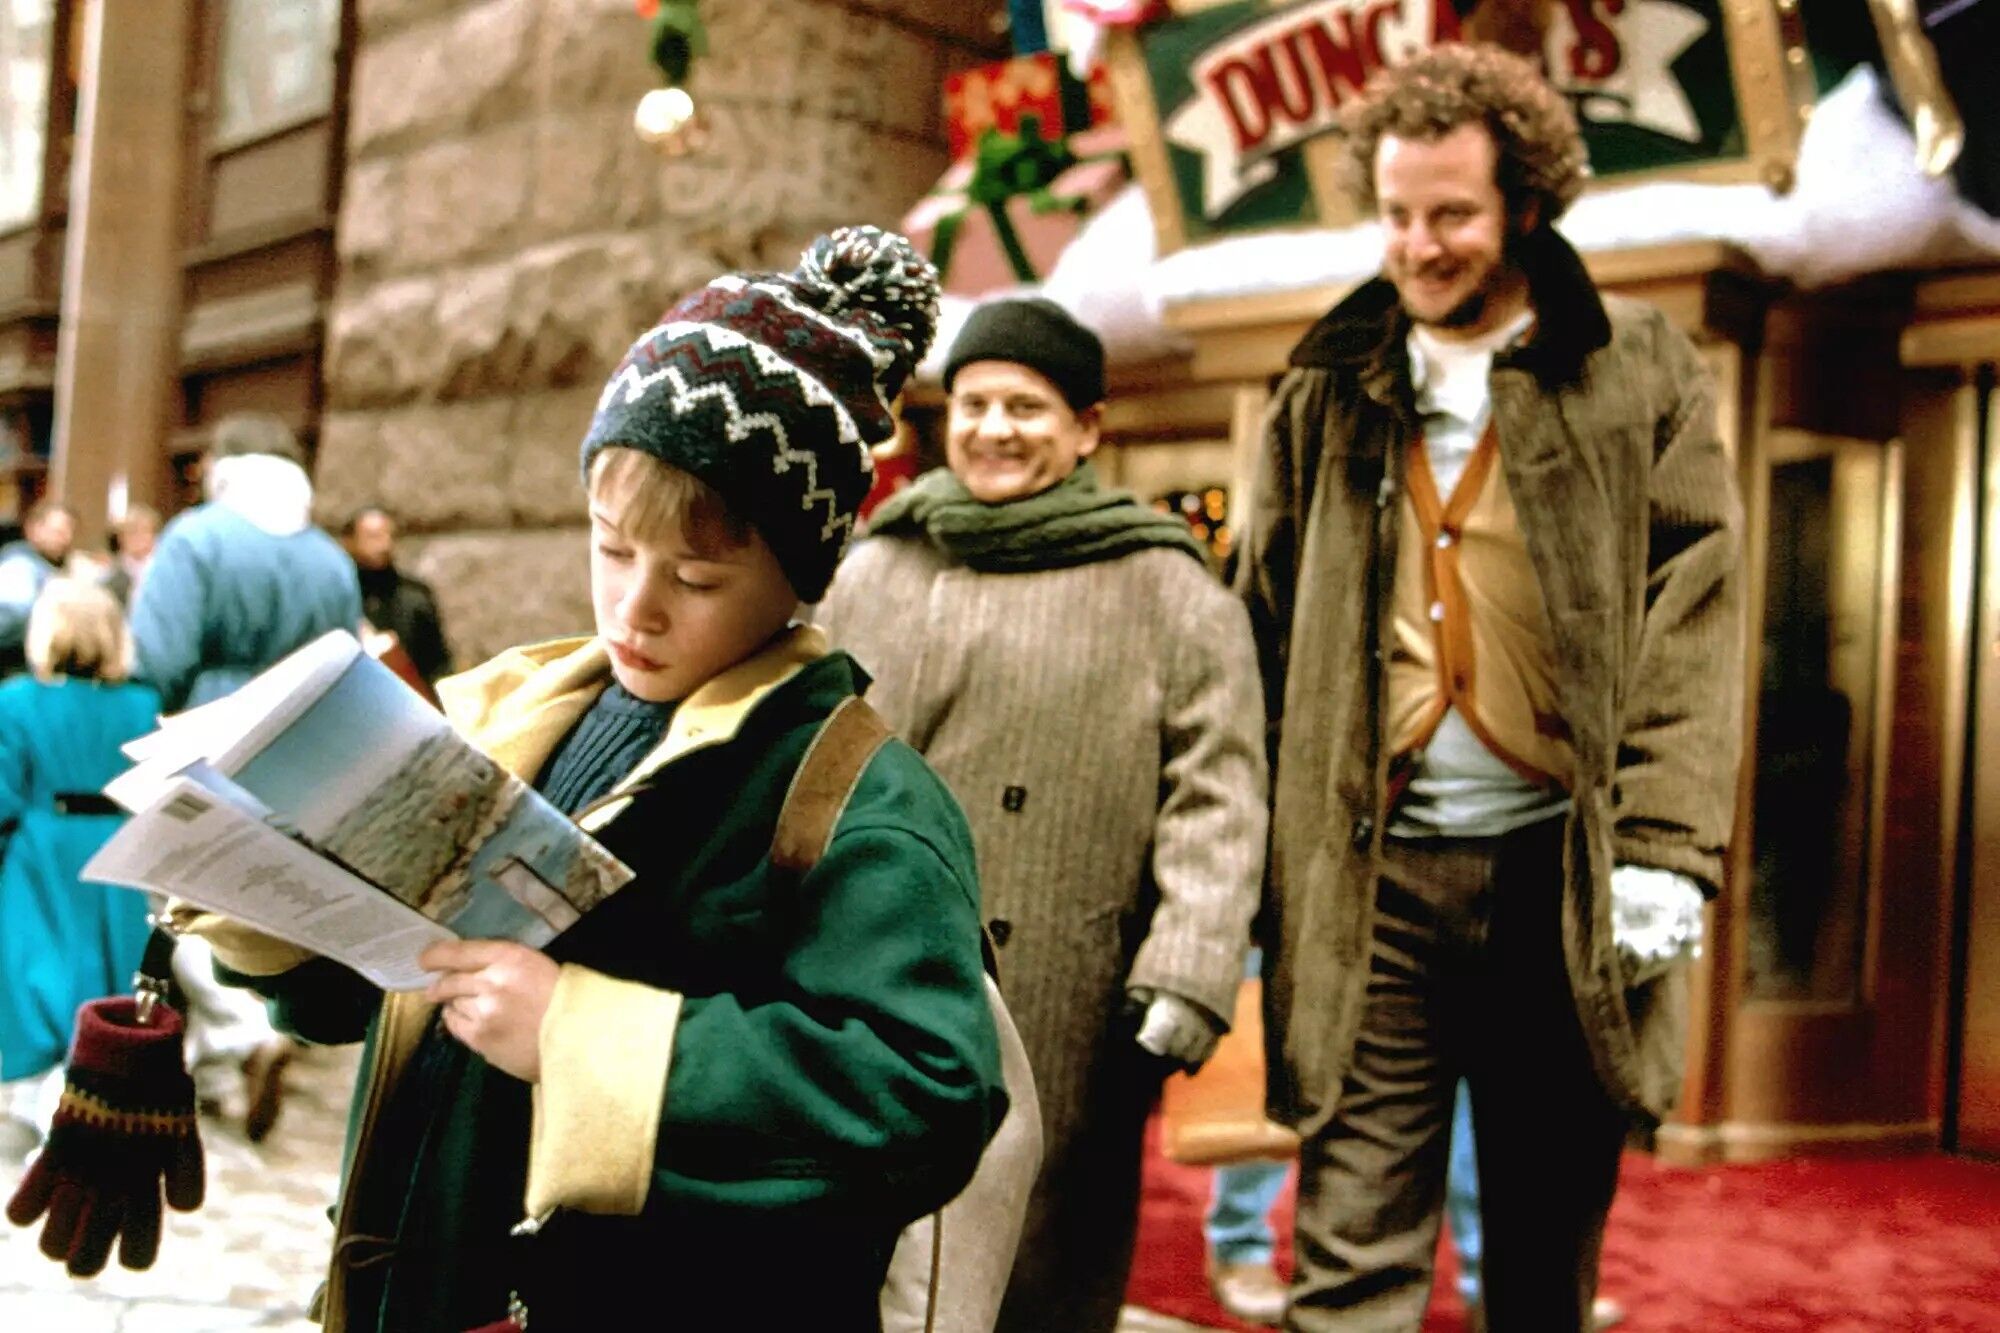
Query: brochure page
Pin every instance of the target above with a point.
(196, 846)
(332, 765)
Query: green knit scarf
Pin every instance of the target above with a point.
(1074, 522)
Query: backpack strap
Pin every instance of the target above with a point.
(826, 778)
(820, 790)
(849, 738)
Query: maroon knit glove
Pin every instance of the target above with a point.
(125, 1125)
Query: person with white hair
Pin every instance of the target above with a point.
(234, 585)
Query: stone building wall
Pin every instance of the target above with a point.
(503, 235)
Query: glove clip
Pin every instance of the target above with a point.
(154, 981)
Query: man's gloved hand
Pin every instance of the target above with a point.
(1175, 1029)
(125, 1126)
(1655, 920)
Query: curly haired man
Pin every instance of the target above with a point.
(1491, 566)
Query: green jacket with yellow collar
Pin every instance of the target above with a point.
(749, 1084)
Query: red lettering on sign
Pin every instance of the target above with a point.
(1282, 81)
(1250, 113)
(1301, 99)
(1344, 65)
(1597, 55)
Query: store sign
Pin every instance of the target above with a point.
(1277, 83)
(1615, 60)
(1242, 91)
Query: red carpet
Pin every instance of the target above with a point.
(1878, 1245)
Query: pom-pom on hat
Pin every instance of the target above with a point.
(771, 387)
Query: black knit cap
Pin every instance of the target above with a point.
(770, 387)
(1035, 332)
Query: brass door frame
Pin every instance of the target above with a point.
(1790, 445)
(1785, 1084)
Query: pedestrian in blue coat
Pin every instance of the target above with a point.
(234, 585)
(63, 941)
(239, 582)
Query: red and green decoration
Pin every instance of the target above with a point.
(675, 37)
(1021, 165)
(1033, 152)
(666, 117)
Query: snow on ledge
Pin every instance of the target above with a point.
(1859, 205)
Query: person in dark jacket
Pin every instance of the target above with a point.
(724, 1092)
(393, 601)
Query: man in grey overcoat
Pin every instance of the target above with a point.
(1491, 562)
(1063, 657)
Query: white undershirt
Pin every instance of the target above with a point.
(1454, 383)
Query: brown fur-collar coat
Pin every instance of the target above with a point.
(1628, 503)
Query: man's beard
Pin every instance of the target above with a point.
(1470, 311)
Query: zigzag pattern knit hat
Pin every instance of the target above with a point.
(771, 387)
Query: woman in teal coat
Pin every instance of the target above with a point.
(63, 941)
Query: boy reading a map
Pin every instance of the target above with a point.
(722, 1093)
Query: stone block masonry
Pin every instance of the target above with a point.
(503, 235)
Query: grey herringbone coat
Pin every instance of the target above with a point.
(1627, 500)
(1101, 725)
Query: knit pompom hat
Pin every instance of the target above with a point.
(770, 387)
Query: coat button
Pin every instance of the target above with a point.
(999, 928)
(1012, 799)
(1364, 832)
